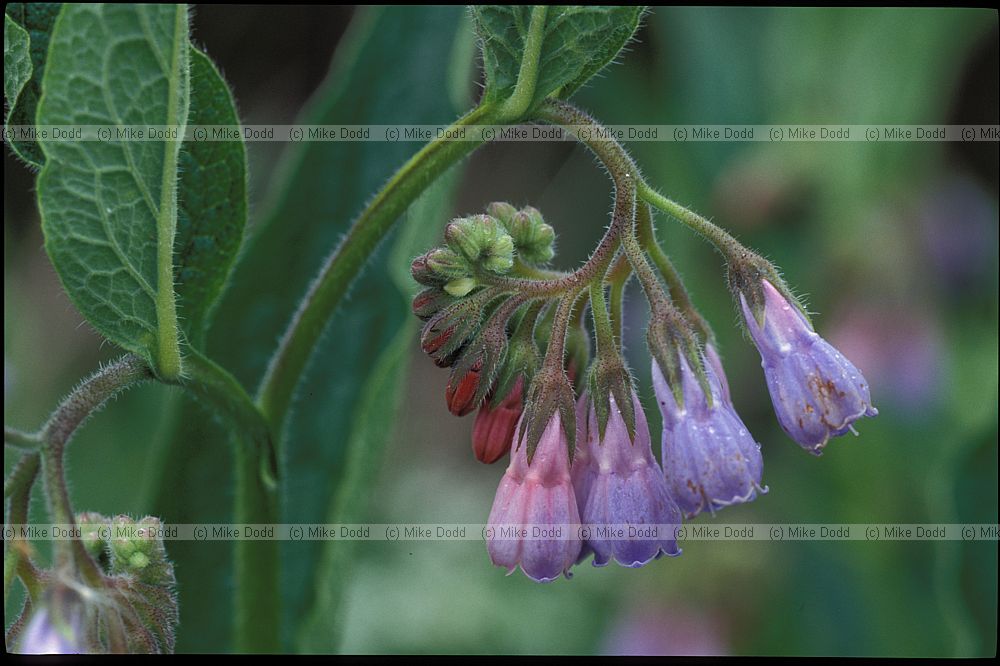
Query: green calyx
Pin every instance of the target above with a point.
(669, 336)
(523, 357)
(550, 391)
(609, 377)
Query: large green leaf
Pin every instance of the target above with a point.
(391, 68)
(578, 42)
(212, 206)
(36, 19)
(109, 209)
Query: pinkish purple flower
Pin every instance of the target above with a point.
(816, 392)
(534, 516)
(627, 511)
(710, 459)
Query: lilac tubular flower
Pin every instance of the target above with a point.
(44, 636)
(535, 497)
(710, 459)
(582, 471)
(816, 392)
(629, 513)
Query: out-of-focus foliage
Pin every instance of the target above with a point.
(893, 244)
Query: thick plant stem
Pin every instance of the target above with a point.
(256, 563)
(285, 369)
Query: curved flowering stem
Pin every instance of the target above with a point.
(256, 488)
(669, 332)
(719, 237)
(678, 293)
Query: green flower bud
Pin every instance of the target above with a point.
(448, 264)
(480, 239)
(93, 528)
(502, 212)
(533, 238)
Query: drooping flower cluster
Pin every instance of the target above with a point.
(582, 478)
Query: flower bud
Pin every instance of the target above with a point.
(422, 273)
(533, 238)
(503, 212)
(816, 392)
(534, 497)
(710, 460)
(626, 488)
(91, 526)
(481, 240)
(494, 429)
(450, 328)
(447, 264)
(429, 302)
(461, 391)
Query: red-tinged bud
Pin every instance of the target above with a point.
(461, 394)
(493, 431)
(449, 359)
(423, 274)
(429, 302)
(431, 343)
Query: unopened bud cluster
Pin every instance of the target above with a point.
(469, 325)
(583, 454)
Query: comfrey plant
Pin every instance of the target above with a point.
(145, 233)
(485, 294)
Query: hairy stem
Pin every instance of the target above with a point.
(603, 332)
(718, 236)
(618, 277)
(24, 441)
(21, 481)
(85, 400)
(679, 294)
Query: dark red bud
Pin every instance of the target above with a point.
(449, 360)
(461, 395)
(493, 432)
(435, 340)
(428, 303)
(422, 273)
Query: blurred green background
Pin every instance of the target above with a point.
(895, 246)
